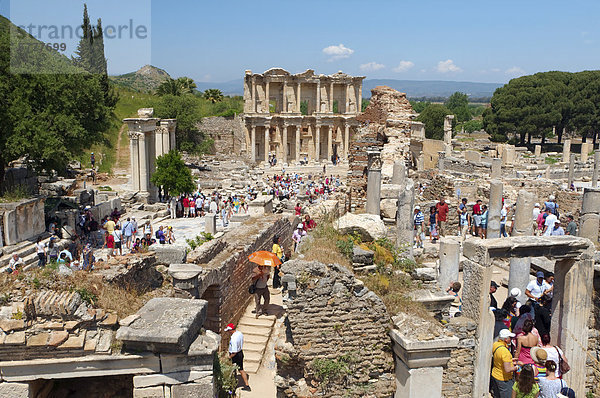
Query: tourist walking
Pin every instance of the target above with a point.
(463, 222)
(433, 220)
(260, 277)
(93, 160)
(538, 287)
(526, 342)
(526, 386)
(173, 207)
(503, 366)
(550, 385)
(557, 230)
(484, 221)
(118, 235)
(41, 252)
(493, 302)
(297, 236)
(571, 226)
(549, 222)
(236, 352)
(555, 354)
(278, 251)
(442, 210)
(418, 220)
(128, 232)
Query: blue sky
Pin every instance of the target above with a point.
(483, 41)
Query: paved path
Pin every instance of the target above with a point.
(259, 344)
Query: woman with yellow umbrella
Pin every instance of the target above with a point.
(260, 277)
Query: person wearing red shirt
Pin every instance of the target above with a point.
(298, 209)
(186, 207)
(442, 210)
(109, 242)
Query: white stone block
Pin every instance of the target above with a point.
(418, 383)
(169, 378)
(14, 390)
(151, 392)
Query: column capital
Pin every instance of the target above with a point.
(374, 163)
(135, 135)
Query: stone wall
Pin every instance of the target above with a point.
(458, 375)
(227, 275)
(228, 134)
(22, 220)
(333, 322)
(593, 360)
(23, 177)
(368, 137)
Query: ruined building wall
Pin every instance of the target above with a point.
(228, 134)
(225, 286)
(593, 361)
(385, 126)
(458, 374)
(335, 320)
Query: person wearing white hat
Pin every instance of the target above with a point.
(503, 366)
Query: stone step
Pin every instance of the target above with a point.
(254, 347)
(255, 330)
(251, 367)
(251, 321)
(252, 357)
(255, 339)
(25, 249)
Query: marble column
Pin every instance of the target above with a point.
(518, 275)
(496, 168)
(311, 142)
(589, 222)
(359, 100)
(267, 143)
(267, 108)
(298, 98)
(135, 159)
(449, 257)
(404, 216)
(596, 168)
(318, 98)
(347, 98)
(253, 142)
(496, 188)
(374, 183)
(566, 151)
(329, 142)
(253, 94)
(331, 98)
(441, 159)
(448, 135)
(571, 170)
(284, 144)
(284, 107)
(346, 141)
(318, 143)
(298, 143)
(585, 150)
(143, 161)
(538, 151)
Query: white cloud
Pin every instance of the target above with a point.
(515, 71)
(447, 66)
(371, 66)
(337, 52)
(403, 66)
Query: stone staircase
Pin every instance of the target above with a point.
(26, 250)
(256, 336)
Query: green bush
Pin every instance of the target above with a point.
(86, 295)
(225, 375)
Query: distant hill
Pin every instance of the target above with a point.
(413, 88)
(146, 79)
(231, 88)
(28, 55)
(432, 88)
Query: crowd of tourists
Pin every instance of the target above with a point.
(525, 362)
(290, 186)
(546, 220)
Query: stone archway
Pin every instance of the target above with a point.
(571, 305)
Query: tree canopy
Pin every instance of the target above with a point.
(531, 106)
(177, 87)
(433, 118)
(213, 95)
(458, 103)
(172, 173)
(50, 111)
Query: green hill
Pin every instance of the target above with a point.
(28, 55)
(145, 80)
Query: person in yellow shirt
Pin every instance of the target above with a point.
(110, 225)
(503, 366)
(278, 251)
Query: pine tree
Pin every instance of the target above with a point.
(83, 53)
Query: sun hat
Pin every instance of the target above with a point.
(505, 333)
(230, 326)
(417, 207)
(537, 205)
(539, 355)
(515, 292)
(300, 226)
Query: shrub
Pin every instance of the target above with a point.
(225, 375)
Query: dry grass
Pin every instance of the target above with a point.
(91, 286)
(322, 246)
